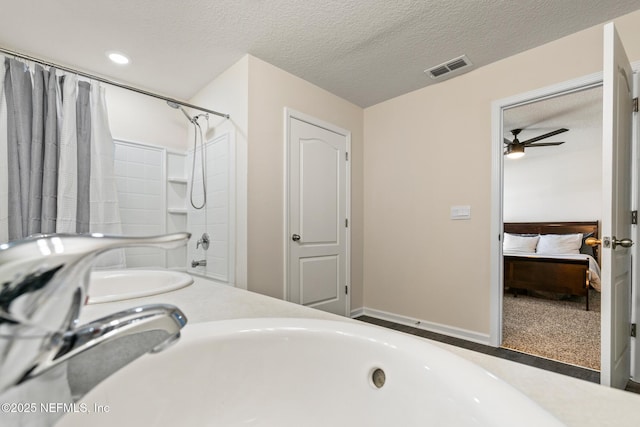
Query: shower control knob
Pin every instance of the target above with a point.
(204, 242)
(295, 237)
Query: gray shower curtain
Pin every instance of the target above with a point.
(33, 103)
(56, 156)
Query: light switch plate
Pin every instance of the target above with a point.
(461, 212)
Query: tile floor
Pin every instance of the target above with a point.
(527, 359)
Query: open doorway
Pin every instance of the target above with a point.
(551, 204)
(619, 201)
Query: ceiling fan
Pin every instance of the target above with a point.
(515, 149)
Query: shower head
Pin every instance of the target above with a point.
(179, 107)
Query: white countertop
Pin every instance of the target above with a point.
(573, 401)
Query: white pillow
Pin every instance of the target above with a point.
(519, 244)
(559, 244)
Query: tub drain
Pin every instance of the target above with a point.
(378, 377)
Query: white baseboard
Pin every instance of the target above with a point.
(451, 331)
(357, 312)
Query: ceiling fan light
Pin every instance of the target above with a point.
(515, 151)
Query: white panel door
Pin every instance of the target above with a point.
(635, 252)
(616, 216)
(318, 200)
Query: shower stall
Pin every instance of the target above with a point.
(154, 188)
(212, 249)
(160, 186)
(210, 200)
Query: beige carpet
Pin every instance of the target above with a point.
(557, 329)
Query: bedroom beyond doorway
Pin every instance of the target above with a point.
(558, 181)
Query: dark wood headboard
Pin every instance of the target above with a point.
(584, 227)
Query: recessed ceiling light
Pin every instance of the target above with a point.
(118, 58)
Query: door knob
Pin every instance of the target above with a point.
(625, 243)
(592, 241)
(295, 237)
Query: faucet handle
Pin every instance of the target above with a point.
(204, 241)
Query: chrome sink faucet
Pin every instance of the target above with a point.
(43, 285)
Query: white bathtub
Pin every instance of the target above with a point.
(305, 372)
(118, 285)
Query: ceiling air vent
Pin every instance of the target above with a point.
(438, 71)
(449, 66)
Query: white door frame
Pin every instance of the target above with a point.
(635, 231)
(293, 114)
(497, 159)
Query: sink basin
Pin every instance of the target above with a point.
(304, 372)
(118, 285)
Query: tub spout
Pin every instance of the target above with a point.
(198, 263)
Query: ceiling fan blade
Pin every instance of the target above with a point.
(506, 141)
(546, 135)
(544, 144)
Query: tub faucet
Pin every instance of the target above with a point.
(43, 286)
(198, 263)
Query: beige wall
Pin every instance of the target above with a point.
(140, 118)
(430, 149)
(270, 91)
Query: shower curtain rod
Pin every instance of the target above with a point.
(109, 82)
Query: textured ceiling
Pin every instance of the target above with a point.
(364, 51)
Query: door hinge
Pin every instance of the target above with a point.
(633, 330)
(346, 222)
(635, 105)
(346, 153)
(346, 291)
(634, 217)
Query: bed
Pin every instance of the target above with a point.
(561, 273)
